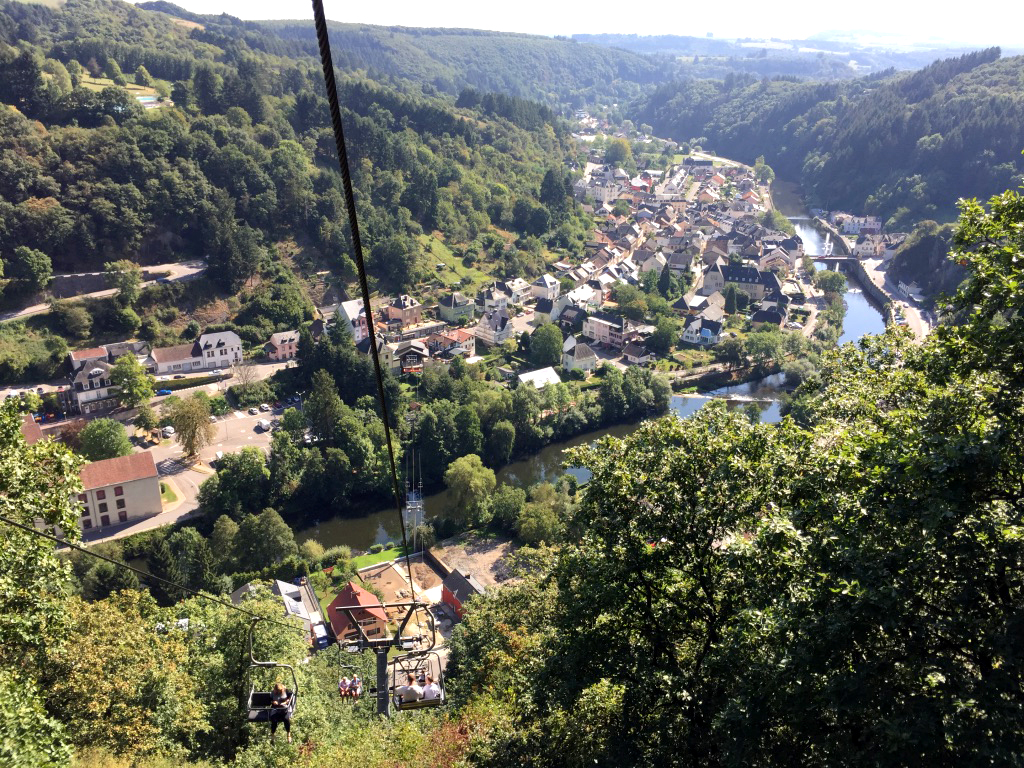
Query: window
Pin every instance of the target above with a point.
(122, 516)
(120, 503)
(103, 507)
(119, 490)
(210, 353)
(101, 495)
(223, 352)
(86, 512)
(82, 497)
(86, 524)
(104, 520)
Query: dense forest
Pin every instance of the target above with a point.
(904, 147)
(843, 588)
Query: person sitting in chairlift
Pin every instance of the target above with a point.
(343, 687)
(280, 703)
(431, 690)
(355, 687)
(410, 692)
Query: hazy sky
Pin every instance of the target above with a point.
(908, 21)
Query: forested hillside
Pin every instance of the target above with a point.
(904, 147)
(236, 165)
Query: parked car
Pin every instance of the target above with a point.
(179, 375)
(264, 407)
(253, 411)
(263, 425)
(213, 419)
(168, 431)
(163, 391)
(39, 390)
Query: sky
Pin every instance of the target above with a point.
(789, 19)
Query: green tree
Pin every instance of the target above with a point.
(126, 277)
(136, 386)
(240, 487)
(222, 539)
(32, 268)
(323, 408)
(470, 485)
(143, 78)
(190, 418)
(104, 439)
(164, 565)
(830, 281)
(37, 482)
(665, 337)
(263, 539)
(506, 507)
(730, 300)
(619, 153)
(146, 419)
(500, 443)
(546, 346)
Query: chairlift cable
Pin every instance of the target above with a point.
(145, 574)
(324, 43)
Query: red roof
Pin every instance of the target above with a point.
(124, 469)
(85, 354)
(30, 430)
(353, 594)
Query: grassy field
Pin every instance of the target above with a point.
(364, 561)
(439, 253)
(99, 83)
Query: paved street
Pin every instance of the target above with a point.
(188, 270)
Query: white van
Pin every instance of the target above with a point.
(264, 425)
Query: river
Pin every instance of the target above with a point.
(861, 318)
(547, 465)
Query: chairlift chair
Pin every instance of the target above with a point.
(260, 702)
(419, 664)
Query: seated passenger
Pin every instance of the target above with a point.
(431, 690)
(343, 687)
(355, 687)
(410, 692)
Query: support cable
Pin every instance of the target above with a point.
(148, 576)
(324, 43)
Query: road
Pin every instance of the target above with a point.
(916, 322)
(188, 270)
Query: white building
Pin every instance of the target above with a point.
(352, 317)
(546, 287)
(220, 350)
(540, 378)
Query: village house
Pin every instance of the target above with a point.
(91, 390)
(298, 600)
(578, 356)
(454, 306)
(491, 298)
(637, 354)
(119, 490)
(410, 356)
(404, 310)
(701, 331)
(352, 317)
(385, 352)
(750, 280)
(517, 290)
(282, 346)
(457, 589)
(494, 327)
(546, 287)
(611, 331)
(219, 350)
(454, 342)
(869, 247)
(540, 378)
(369, 614)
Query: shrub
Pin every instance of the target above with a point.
(376, 548)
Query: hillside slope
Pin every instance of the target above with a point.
(905, 147)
